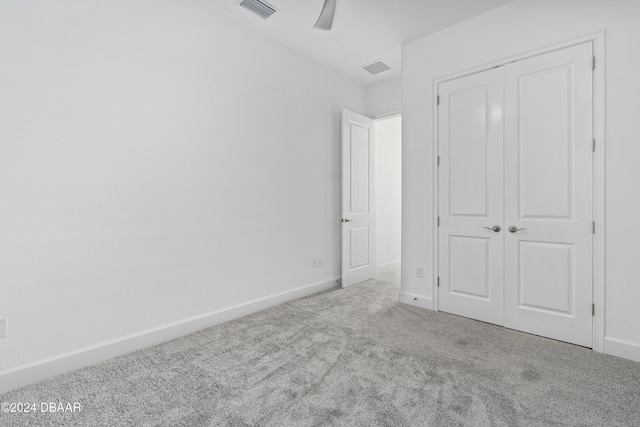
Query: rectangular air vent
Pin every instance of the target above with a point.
(262, 9)
(376, 67)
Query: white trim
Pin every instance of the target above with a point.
(623, 348)
(383, 268)
(37, 371)
(599, 120)
(436, 197)
(416, 300)
(389, 115)
(599, 123)
(592, 37)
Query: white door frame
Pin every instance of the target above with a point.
(598, 40)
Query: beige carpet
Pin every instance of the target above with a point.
(353, 357)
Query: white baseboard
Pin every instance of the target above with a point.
(383, 268)
(416, 300)
(37, 371)
(622, 348)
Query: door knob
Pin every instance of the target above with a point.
(495, 228)
(514, 229)
(346, 220)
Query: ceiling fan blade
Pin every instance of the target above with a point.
(325, 21)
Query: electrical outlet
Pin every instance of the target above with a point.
(320, 262)
(3, 327)
(317, 262)
(419, 272)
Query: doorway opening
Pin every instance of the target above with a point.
(388, 131)
(371, 198)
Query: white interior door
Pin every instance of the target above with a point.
(548, 186)
(471, 196)
(358, 199)
(533, 271)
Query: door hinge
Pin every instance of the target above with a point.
(593, 64)
(438, 221)
(593, 309)
(438, 281)
(438, 100)
(594, 227)
(593, 149)
(438, 160)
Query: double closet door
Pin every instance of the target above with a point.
(515, 195)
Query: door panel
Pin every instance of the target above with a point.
(470, 183)
(360, 252)
(545, 105)
(358, 203)
(468, 125)
(551, 288)
(469, 267)
(548, 194)
(360, 173)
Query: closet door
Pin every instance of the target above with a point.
(548, 195)
(471, 196)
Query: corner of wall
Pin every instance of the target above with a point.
(384, 98)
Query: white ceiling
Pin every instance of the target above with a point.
(363, 30)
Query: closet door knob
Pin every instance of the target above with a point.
(514, 229)
(495, 228)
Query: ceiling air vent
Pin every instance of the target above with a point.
(376, 67)
(262, 9)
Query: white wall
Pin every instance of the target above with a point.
(158, 161)
(514, 29)
(384, 98)
(388, 134)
